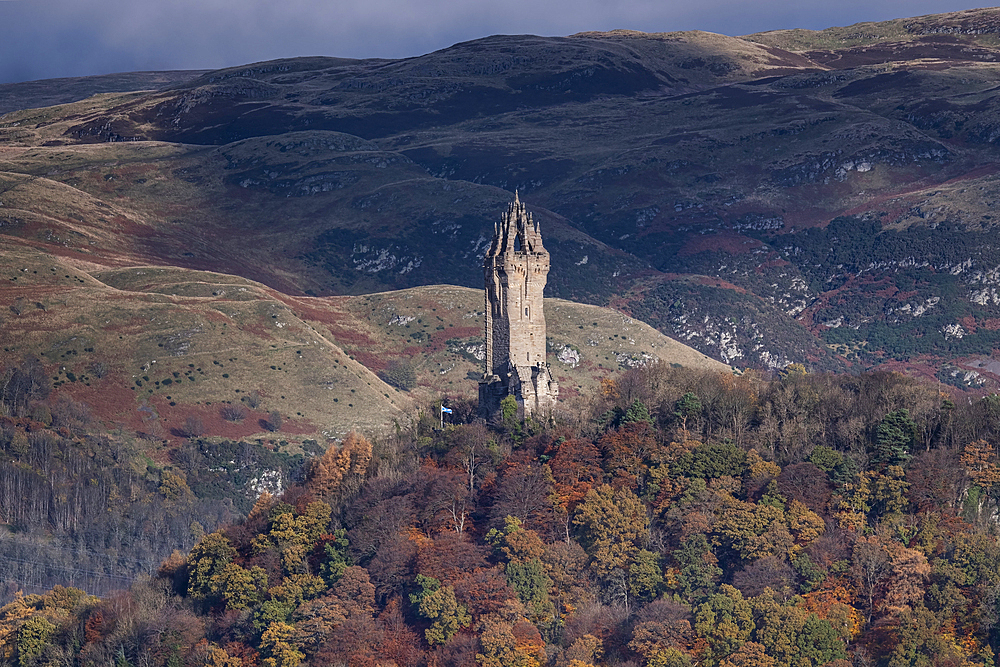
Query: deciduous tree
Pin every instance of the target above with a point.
(725, 619)
(614, 526)
(340, 471)
(438, 604)
(207, 559)
(277, 644)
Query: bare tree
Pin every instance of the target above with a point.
(23, 385)
(273, 421)
(871, 568)
(253, 399)
(233, 413)
(193, 427)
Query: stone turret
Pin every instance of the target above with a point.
(515, 270)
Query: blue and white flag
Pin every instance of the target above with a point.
(444, 409)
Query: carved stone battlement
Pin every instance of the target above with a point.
(515, 270)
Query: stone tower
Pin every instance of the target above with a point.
(515, 270)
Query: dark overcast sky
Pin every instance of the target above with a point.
(55, 38)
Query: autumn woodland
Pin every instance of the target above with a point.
(683, 518)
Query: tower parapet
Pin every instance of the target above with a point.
(515, 270)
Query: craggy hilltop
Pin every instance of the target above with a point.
(791, 196)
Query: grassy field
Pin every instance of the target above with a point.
(149, 348)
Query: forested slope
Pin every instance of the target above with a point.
(85, 506)
(694, 518)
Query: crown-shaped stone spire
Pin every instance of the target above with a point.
(516, 232)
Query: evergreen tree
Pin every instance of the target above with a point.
(895, 436)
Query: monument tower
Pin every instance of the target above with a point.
(515, 270)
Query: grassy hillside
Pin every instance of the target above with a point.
(439, 330)
(150, 348)
(978, 26)
(48, 92)
(674, 175)
(172, 344)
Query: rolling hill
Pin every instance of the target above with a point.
(823, 197)
(150, 348)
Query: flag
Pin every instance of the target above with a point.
(444, 409)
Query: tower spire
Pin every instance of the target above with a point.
(515, 271)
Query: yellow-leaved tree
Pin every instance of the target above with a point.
(614, 524)
(277, 643)
(980, 462)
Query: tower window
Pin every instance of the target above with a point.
(525, 312)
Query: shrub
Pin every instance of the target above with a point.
(273, 421)
(233, 413)
(19, 306)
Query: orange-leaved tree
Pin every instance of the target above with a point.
(340, 471)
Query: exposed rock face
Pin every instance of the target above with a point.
(515, 270)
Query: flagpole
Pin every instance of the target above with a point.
(442, 411)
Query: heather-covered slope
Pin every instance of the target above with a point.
(676, 175)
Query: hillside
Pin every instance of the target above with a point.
(674, 173)
(48, 92)
(150, 348)
(974, 27)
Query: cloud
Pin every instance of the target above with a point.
(51, 38)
